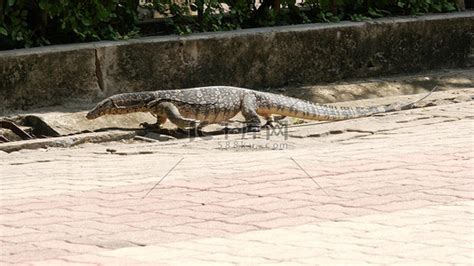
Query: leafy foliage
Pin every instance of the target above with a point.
(25, 23)
(245, 13)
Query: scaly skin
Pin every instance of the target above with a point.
(206, 105)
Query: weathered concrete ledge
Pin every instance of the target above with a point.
(264, 57)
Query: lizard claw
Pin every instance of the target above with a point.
(146, 125)
(251, 128)
(269, 125)
(194, 123)
(231, 130)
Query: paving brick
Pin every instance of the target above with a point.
(35, 237)
(149, 237)
(10, 248)
(285, 221)
(60, 262)
(72, 247)
(103, 227)
(8, 231)
(104, 260)
(99, 209)
(165, 221)
(102, 241)
(69, 230)
(35, 255)
(225, 226)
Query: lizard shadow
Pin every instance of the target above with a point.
(179, 133)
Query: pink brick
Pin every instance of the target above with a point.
(167, 221)
(253, 217)
(401, 205)
(69, 230)
(12, 217)
(225, 226)
(149, 237)
(11, 249)
(102, 241)
(105, 260)
(250, 201)
(41, 205)
(8, 231)
(72, 247)
(286, 222)
(36, 255)
(35, 237)
(39, 221)
(60, 261)
(103, 227)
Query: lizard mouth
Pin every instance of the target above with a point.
(91, 115)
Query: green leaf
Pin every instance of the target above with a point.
(43, 5)
(3, 31)
(86, 21)
(11, 2)
(450, 7)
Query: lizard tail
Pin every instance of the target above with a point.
(293, 107)
(397, 107)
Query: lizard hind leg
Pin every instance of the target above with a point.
(249, 111)
(277, 118)
(272, 121)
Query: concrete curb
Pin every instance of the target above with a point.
(67, 141)
(264, 57)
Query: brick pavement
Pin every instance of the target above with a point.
(394, 189)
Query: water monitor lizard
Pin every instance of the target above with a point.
(196, 107)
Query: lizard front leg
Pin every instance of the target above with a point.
(160, 120)
(170, 111)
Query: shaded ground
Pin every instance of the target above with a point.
(70, 119)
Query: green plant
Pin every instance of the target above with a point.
(25, 23)
(190, 16)
(415, 7)
(38, 22)
(14, 24)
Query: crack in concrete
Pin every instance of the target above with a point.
(414, 119)
(331, 132)
(98, 71)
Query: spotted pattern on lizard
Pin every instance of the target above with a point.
(196, 107)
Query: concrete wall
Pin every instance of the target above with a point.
(263, 57)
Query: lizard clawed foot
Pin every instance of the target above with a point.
(274, 121)
(269, 125)
(187, 123)
(190, 132)
(251, 128)
(146, 125)
(231, 130)
(183, 131)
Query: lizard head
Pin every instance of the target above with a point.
(105, 107)
(121, 104)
